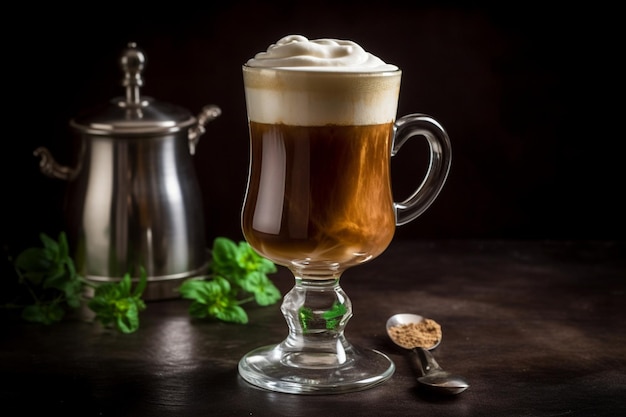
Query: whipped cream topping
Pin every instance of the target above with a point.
(298, 52)
(315, 83)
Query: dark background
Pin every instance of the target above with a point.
(528, 93)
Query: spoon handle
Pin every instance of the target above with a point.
(426, 361)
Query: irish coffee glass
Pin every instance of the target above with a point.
(319, 201)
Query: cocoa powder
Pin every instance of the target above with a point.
(425, 333)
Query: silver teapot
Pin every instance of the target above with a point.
(133, 200)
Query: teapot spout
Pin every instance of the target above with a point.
(51, 168)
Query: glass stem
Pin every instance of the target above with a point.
(315, 357)
(317, 311)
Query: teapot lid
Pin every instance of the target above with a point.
(133, 115)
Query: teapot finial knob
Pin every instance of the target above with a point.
(133, 62)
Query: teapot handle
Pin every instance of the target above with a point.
(208, 113)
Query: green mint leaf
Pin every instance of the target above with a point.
(43, 313)
(123, 287)
(236, 269)
(115, 304)
(235, 261)
(332, 324)
(52, 260)
(141, 286)
(224, 256)
(265, 292)
(51, 244)
(71, 287)
(233, 313)
(250, 261)
(127, 321)
(67, 282)
(334, 315)
(206, 292)
(198, 310)
(34, 264)
(213, 298)
(305, 315)
(337, 310)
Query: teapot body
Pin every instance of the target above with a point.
(134, 203)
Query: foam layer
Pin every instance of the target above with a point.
(315, 83)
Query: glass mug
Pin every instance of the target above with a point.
(319, 201)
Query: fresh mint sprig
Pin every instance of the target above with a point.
(50, 279)
(331, 317)
(52, 287)
(118, 304)
(237, 275)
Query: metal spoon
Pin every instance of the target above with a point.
(433, 378)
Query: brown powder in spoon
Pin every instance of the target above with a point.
(425, 333)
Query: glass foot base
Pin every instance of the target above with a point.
(271, 368)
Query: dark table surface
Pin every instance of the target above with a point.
(538, 329)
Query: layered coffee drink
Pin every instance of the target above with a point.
(321, 117)
(323, 130)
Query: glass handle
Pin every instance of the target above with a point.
(421, 125)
